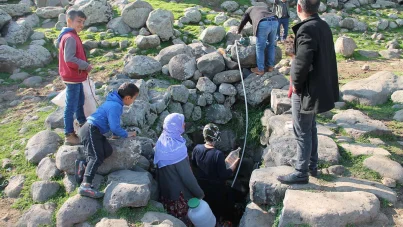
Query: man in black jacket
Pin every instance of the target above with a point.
(315, 86)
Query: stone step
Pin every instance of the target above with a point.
(385, 167)
(336, 209)
(364, 149)
(256, 216)
(266, 189)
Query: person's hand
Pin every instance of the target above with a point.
(131, 134)
(89, 68)
(294, 90)
(114, 137)
(233, 166)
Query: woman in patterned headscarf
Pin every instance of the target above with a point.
(176, 182)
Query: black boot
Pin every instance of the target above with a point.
(294, 178)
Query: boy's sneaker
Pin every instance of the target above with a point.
(71, 139)
(88, 191)
(79, 170)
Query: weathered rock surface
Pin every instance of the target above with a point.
(358, 124)
(256, 216)
(212, 35)
(374, 90)
(37, 215)
(106, 222)
(16, 9)
(47, 169)
(55, 119)
(17, 32)
(14, 186)
(118, 26)
(329, 208)
(211, 64)
(385, 167)
(97, 11)
(266, 189)
(135, 14)
(147, 42)
(182, 67)
(218, 114)
(41, 191)
(140, 66)
(167, 53)
(160, 22)
(279, 101)
(345, 46)
(364, 149)
(75, 210)
(49, 12)
(40, 145)
(163, 220)
(229, 76)
(127, 189)
(4, 18)
(258, 88)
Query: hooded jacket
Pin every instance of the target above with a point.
(107, 117)
(254, 15)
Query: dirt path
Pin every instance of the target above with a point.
(8, 216)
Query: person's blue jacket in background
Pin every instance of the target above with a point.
(107, 117)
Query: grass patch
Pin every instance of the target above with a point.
(327, 177)
(279, 208)
(355, 167)
(379, 112)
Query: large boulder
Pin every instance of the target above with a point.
(55, 119)
(35, 56)
(230, 6)
(247, 55)
(266, 189)
(14, 187)
(4, 18)
(397, 96)
(358, 124)
(193, 15)
(75, 210)
(37, 215)
(178, 93)
(41, 144)
(218, 114)
(182, 67)
(227, 89)
(97, 11)
(138, 114)
(163, 220)
(258, 88)
(256, 216)
(49, 12)
(211, 64)
(204, 84)
(169, 52)
(127, 189)
(345, 46)
(147, 42)
(17, 32)
(44, 3)
(332, 19)
(374, 90)
(135, 14)
(160, 22)
(213, 34)
(199, 49)
(391, 53)
(47, 169)
(279, 101)
(139, 66)
(66, 157)
(385, 167)
(16, 10)
(118, 26)
(230, 76)
(329, 208)
(41, 191)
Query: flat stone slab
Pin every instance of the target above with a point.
(266, 189)
(324, 131)
(385, 167)
(256, 216)
(364, 149)
(336, 209)
(358, 124)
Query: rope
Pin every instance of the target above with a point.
(246, 112)
(92, 92)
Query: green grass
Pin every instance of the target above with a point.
(279, 208)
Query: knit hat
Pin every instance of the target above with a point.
(211, 133)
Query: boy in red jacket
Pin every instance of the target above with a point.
(73, 69)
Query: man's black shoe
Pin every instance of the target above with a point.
(294, 178)
(313, 172)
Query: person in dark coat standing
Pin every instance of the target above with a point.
(315, 89)
(265, 26)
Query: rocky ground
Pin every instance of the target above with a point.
(169, 49)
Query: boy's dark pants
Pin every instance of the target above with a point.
(96, 148)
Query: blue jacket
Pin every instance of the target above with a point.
(107, 116)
